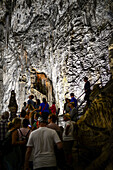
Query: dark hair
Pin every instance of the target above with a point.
(25, 123)
(23, 113)
(72, 94)
(38, 101)
(67, 99)
(31, 96)
(53, 117)
(44, 100)
(85, 78)
(24, 103)
(42, 120)
(16, 120)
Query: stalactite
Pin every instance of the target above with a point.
(7, 30)
(14, 3)
(94, 8)
(61, 4)
(10, 4)
(26, 56)
(29, 2)
(8, 20)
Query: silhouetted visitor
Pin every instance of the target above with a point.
(12, 154)
(44, 109)
(66, 106)
(4, 126)
(52, 123)
(30, 107)
(73, 99)
(3, 130)
(36, 123)
(24, 106)
(68, 140)
(30, 103)
(53, 108)
(73, 112)
(37, 104)
(60, 158)
(24, 133)
(22, 116)
(42, 140)
(87, 90)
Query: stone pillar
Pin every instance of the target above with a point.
(22, 95)
(13, 107)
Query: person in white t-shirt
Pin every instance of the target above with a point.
(68, 139)
(42, 140)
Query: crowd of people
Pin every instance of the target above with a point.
(37, 142)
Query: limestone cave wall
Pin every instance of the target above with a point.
(94, 133)
(64, 39)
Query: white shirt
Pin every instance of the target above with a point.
(43, 140)
(70, 135)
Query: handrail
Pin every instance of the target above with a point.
(82, 95)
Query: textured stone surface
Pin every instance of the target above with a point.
(66, 40)
(95, 132)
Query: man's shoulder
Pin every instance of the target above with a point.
(68, 122)
(46, 129)
(87, 83)
(53, 126)
(73, 99)
(49, 129)
(34, 131)
(30, 101)
(48, 104)
(41, 104)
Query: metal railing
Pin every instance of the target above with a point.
(83, 101)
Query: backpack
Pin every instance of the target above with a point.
(23, 147)
(7, 146)
(24, 137)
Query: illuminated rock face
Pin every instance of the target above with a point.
(94, 133)
(111, 54)
(66, 40)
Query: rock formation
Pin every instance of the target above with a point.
(94, 133)
(51, 45)
(12, 105)
(64, 39)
